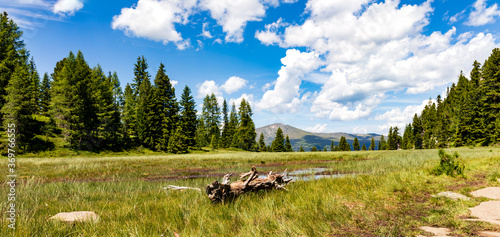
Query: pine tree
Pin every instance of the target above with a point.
(18, 108)
(343, 145)
(372, 144)
(201, 135)
(364, 147)
(332, 146)
(129, 118)
(140, 74)
(417, 132)
(211, 118)
(279, 141)
(45, 95)
(34, 80)
(245, 133)
(262, 143)
(165, 116)
(407, 142)
(12, 54)
(178, 143)
(391, 143)
(288, 145)
(188, 117)
(301, 149)
(231, 127)
(225, 138)
(355, 144)
(145, 115)
(314, 148)
(491, 97)
(382, 144)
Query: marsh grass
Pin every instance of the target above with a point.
(388, 195)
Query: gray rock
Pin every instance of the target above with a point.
(452, 195)
(77, 216)
(491, 193)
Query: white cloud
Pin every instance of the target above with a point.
(156, 20)
(396, 117)
(368, 49)
(205, 33)
(285, 96)
(233, 15)
(248, 98)
(482, 15)
(207, 88)
(68, 7)
(318, 128)
(359, 130)
(233, 84)
(174, 82)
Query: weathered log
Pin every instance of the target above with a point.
(223, 192)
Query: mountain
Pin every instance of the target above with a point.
(307, 140)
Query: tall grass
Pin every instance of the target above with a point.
(388, 196)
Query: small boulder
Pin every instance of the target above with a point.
(491, 193)
(436, 231)
(452, 195)
(487, 211)
(77, 216)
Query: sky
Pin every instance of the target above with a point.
(357, 66)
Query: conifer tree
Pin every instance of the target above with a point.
(245, 132)
(188, 117)
(140, 74)
(417, 132)
(390, 140)
(129, 118)
(407, 142)
(314, 148)
(12, 54)
(211, 118)
(332, 146)
(301, 149)
(262, 143)
(231, 127)
(18, 108)
(288, 145)
(45, 95)
(343, 145)
(145, 115)
(491, 98)
(225, 141)
(178, 143)
(165, 116)
(355, 144)
(34, 80)
(364, 147)
(372, 144)
(279, 141)
(382, 144)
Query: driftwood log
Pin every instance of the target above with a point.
(249, 182)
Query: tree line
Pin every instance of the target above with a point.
(467, 116)
(88, 109)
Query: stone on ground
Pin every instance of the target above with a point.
(452, 195)
(491, 193)
(436, 231)
(77, 216)
(489, 234)
(487, 211)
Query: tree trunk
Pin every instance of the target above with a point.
(224, 191)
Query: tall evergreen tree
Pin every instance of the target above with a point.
(355, 144)
(188, 116)
(491, 98)
(145, 115)
(417, 132)
(301, 149)
(382, 143)
(211, 118)
(262, 143)
(288, 145)
(18, 107)
(372, 144)
(140, 74)
(45, 95)
(245, 132)
(166, 114)
(129, 118)
(407, 142)
(343, 145)
(231, 126)
(364, 147)
(278, 144)
(225, 138)
(34, 80)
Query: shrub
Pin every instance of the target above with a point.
(450, 165)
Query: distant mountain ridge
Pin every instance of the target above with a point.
(307, 140)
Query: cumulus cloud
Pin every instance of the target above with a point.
(368, 49)
(233, 84)
(482, 15)
(318, 128)
(248, 98)
(233, 15)
(156, 20)
(285, 96)
(207, 88)
(67, 7)
(396, 117)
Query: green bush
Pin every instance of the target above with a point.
(449, 164)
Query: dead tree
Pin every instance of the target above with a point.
(225, 191)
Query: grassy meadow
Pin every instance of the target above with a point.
(384, 193)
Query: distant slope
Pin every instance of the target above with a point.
(307, 140)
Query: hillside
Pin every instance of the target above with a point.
(307, 140)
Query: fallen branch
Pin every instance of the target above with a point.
(222, 192)
(180, 188)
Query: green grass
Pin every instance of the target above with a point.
(390, 195)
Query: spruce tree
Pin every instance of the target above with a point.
(178, 143)
(188, 116)
(34, 80)
(364, 147)
(301, 149)
(45, 95)
(391, 143)
(417, 132)
(372, 144)
(279, 141)
(245, 132)
(332, 146)
(225, 138)
(355, 144)
(211, 118)
(18, 108)
(491, 98)
(129, 118)
(145, 115)
(382, 144)
(12, 54)
(314, 148)
(288, 145)
(165, 116)
(262, 143)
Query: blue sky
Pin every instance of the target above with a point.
(355, 66)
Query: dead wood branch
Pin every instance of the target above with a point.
(222, 192)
